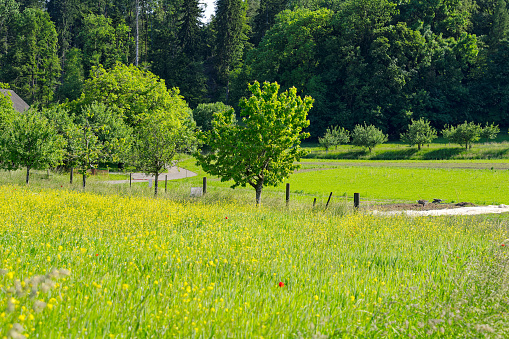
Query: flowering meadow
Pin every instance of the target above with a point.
(83, 265)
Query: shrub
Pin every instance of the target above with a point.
(368, 136)
(419, 133)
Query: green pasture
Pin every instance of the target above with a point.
(453, 181)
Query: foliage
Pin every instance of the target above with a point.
(98, 134)
(31, 65)
(334, 136)
(368, 136)
(129, 91)
(489, 132)
(30, 141)
(419, 133)
(262, 151)
(160, 136)
(73, 76)
(204, 114)
(464, 134)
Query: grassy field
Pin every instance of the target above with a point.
(84, 265)
(453, 181)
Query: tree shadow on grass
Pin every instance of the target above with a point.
(442, 153)
(395, 155)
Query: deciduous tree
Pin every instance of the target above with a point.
(263, 149)
(419, 132)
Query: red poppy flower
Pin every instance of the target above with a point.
(503, 244)
(281, 284)
(97, 254)
(226, 217)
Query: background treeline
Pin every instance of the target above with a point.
(377, 62)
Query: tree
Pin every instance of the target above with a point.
(204, 114)
(464, 134)
(334, 136)
(419, 133)
(128, 90)
(368, 136)
(160, 136)
(30, 141)
(73, 76)
(98, 135)
(231, 37)
(489, 132)
(31, 65)
(263, 150)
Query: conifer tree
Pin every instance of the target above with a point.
(231, 37)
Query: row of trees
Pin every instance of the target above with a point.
(383, 62)
(127, 115)
(141, 122)
(419, 132)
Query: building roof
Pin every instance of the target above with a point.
(18, 103)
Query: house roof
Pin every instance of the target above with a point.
(18, 103)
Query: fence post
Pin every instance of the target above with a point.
(287, 194)
(166, 184)
(204, 184)
(330, 196)
(356, 200)
(130, 180)
(314, 203)
(72, 173)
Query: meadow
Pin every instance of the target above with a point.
(87, 265)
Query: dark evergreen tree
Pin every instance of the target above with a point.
(231, 37)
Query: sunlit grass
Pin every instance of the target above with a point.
(143, 267)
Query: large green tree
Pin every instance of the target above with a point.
(263, 149)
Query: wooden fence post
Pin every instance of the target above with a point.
(166, 184)
(287, 194)
(130, 180)
(356, 200)
(204, 184)
(330, 196)
(72, 174)
(314, 203)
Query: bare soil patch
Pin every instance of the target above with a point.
(419, 207)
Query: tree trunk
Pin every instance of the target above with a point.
(419, 147)
(155, 184)
(28, 174)
(72, 174)
(259, 187)
(84, 179)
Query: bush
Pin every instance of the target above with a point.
(419, 133)
(464, 134)
(368, 136)
(334, 136)
(204, 114)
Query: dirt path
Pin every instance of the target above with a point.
(172, 174)
(455, 211)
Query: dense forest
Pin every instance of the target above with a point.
(383, 62)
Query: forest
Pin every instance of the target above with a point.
(380, 62)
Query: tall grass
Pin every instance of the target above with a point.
(81, 264)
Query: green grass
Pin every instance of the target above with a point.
(138, 267)
(401, 181)
(438, 150)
